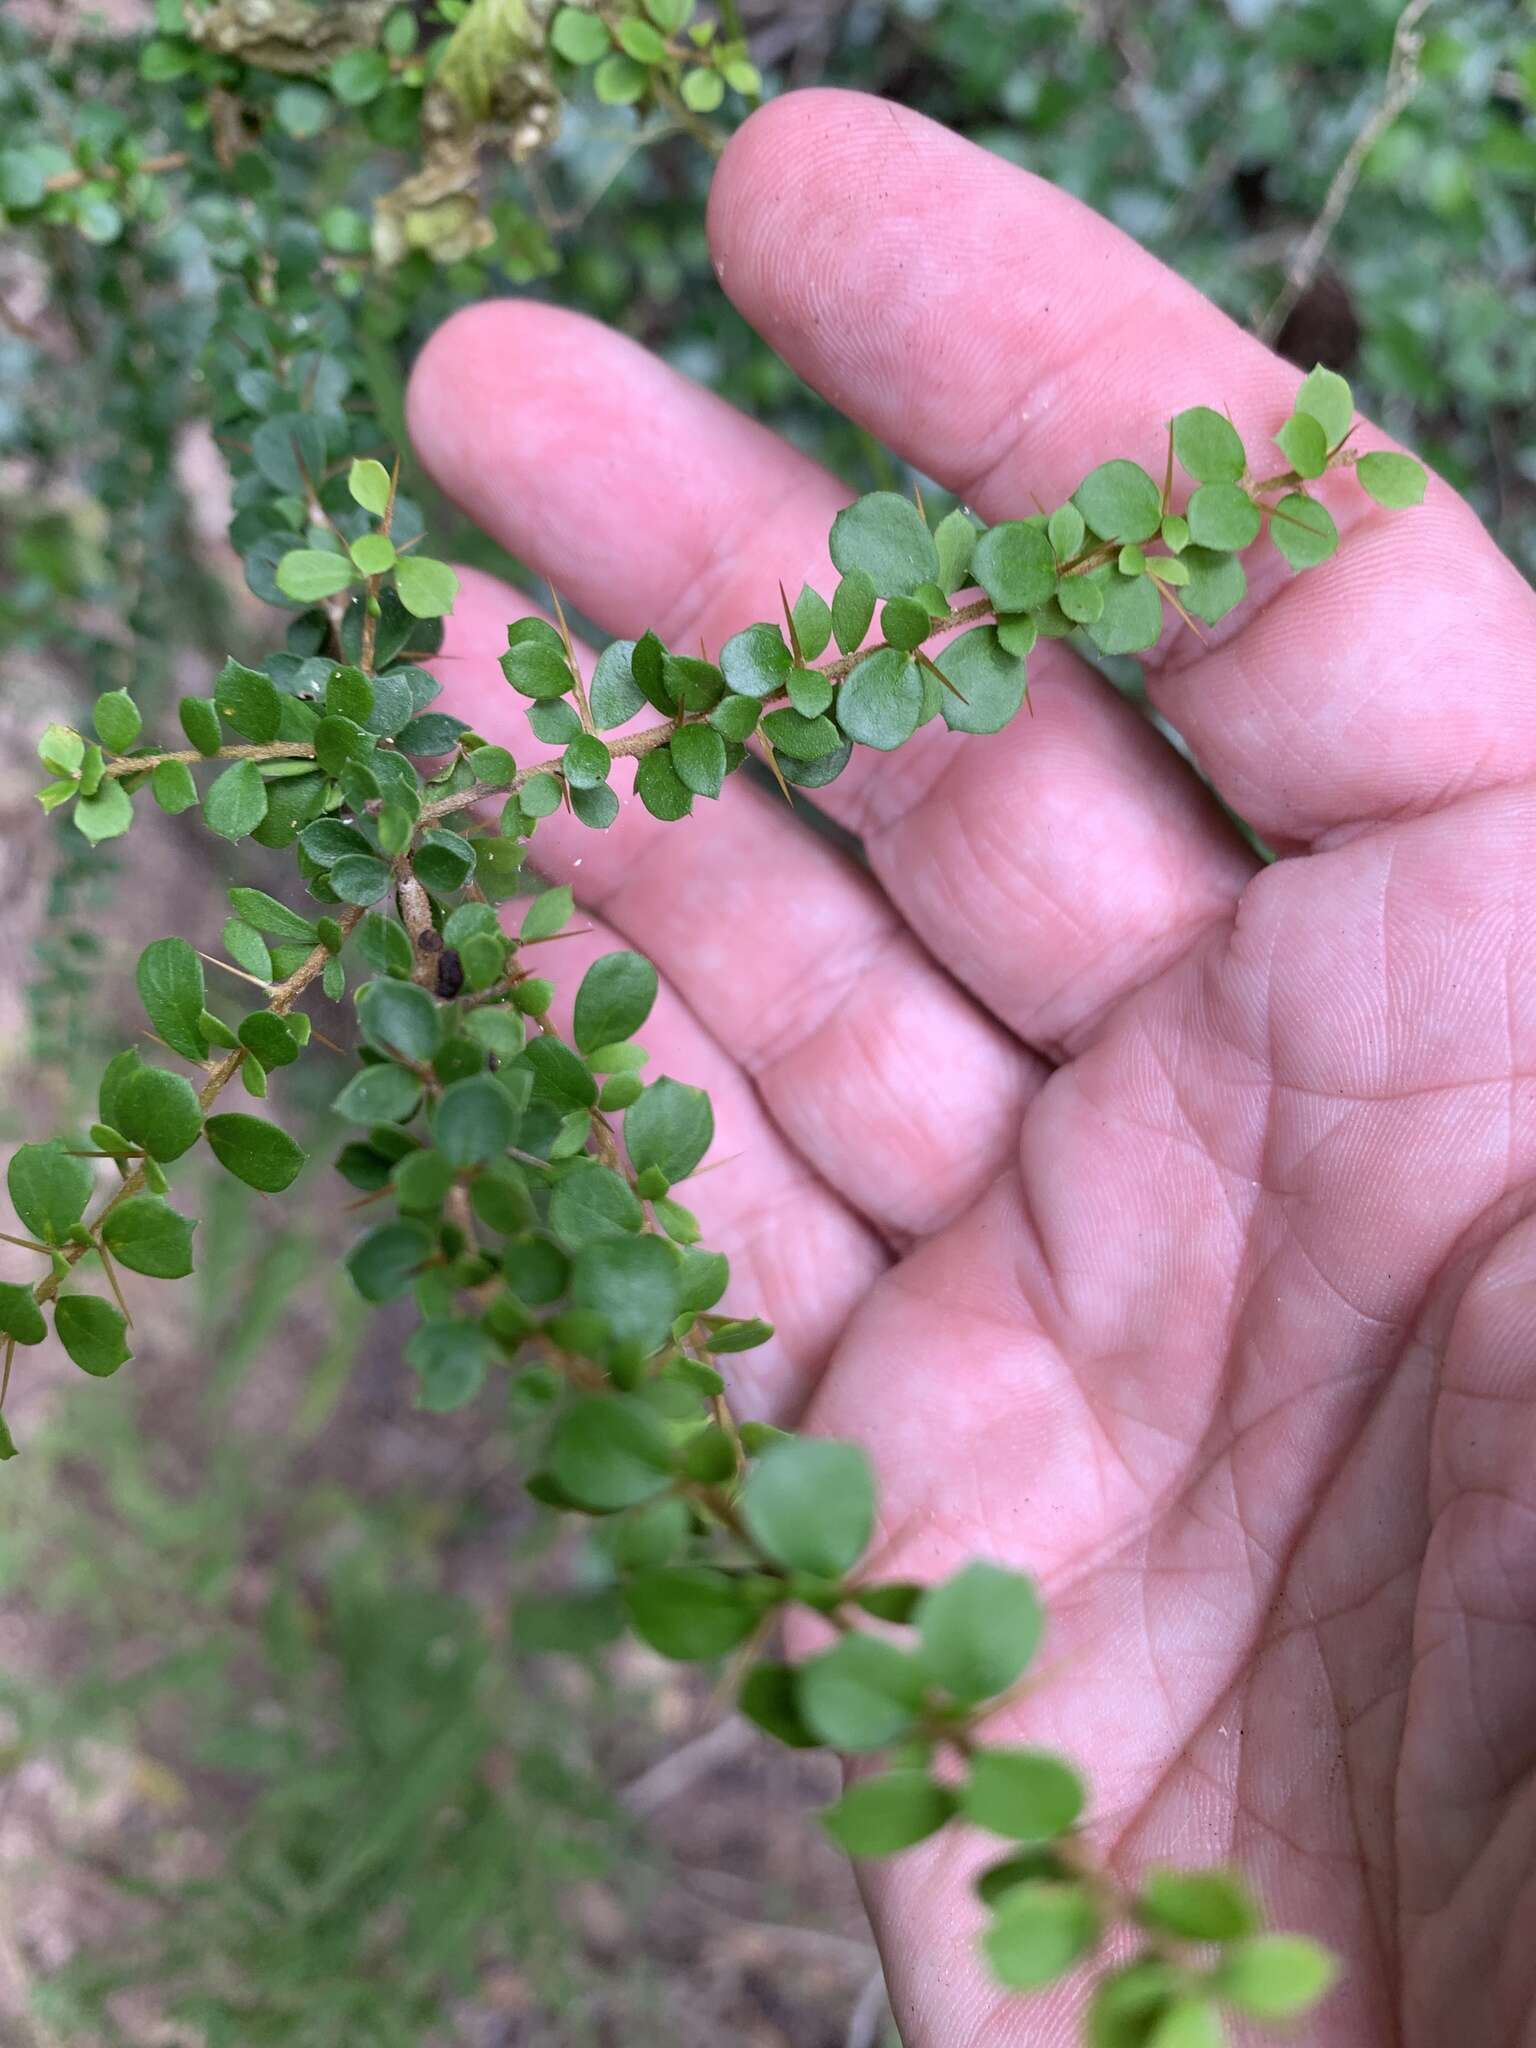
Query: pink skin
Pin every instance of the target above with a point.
(1163, 1226)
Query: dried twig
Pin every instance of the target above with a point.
(1401, 84)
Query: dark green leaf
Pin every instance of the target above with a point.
(698, 759)
(593, 1202)
(691, 1612)
(632, 1282)
(259, 1153)
(801, 738)
(614, 999)
(117, 721)
(147, 1236)
(170, 983)
(159, 1111)
(384, 1263)
(248, 700)
(359, 878)
(610, 1451)
(1132, 618)
(661, 789)
(614, 696)
(173, 788)
(92, 1332)
(268, 915)
(767, 1696)
(475, 1121)
(399, 1017)
(236, 802)
(269, 1039)
(20, 1317)
(382, 1094)
(451, 1354)
(813, 623)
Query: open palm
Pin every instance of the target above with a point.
(1159, 1222)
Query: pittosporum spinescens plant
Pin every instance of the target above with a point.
(524, 1182)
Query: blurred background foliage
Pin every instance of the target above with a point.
(257, 1618)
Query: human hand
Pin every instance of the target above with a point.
(1160, 1223)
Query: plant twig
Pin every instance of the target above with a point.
(1402, 83)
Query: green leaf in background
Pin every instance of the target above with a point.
(1196, 1905)
(862, 1694)
(611, 1451)
(1275, 1976)
(691, 1612)
(309, 574)
(632, 1283)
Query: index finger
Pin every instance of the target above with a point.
(1007, 339)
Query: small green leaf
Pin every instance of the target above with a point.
(379, 1094)
(703, 90)
(548, 913)
(578, 36)
(173, 788)
(881, 700)
(1208, 446)
(853, 607)
(373, 554)
(813, 622)
(259, 1153)
(249, 701)
(611, 1451)
(614, 1000)
(592, 1202)
(368, 484)
(1028, 1794)
(359, 76)
(384, 1263)
(399, 1017)
(93, 1333)
(426, 588)
(619, 81)
(1065, 531)
(105, 815)
(309, 574)
(159, 1111)
(1223, 516)
(955, 539)
(885, 536)
(643, 42)
(1303, 444)
(1132, 618)
(360, 878)
(49, 1189)
(800, 737)
(172, 990)
(1275, 1976)
(691, 1612)
(756, 661)
(661, 789)
(632, 1283)
(980, 1630)
(1217, 583)
(237, 801)
(475, 1121)
(810, 1504)
(862, 1694)
(1327, 397)
(1303, 531)
(200, 723)
(989, 678)
(147, 1236)
(117, 721)
(1394, 480)
(879, 1816)
(1191, 2022)
(1015, 565)
(21, 1319)
(698, 759)
(451, 1354)
(670, 1128)
(1120, 502)
(1196, 1905)
(1039, 1932)
(586, 762)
